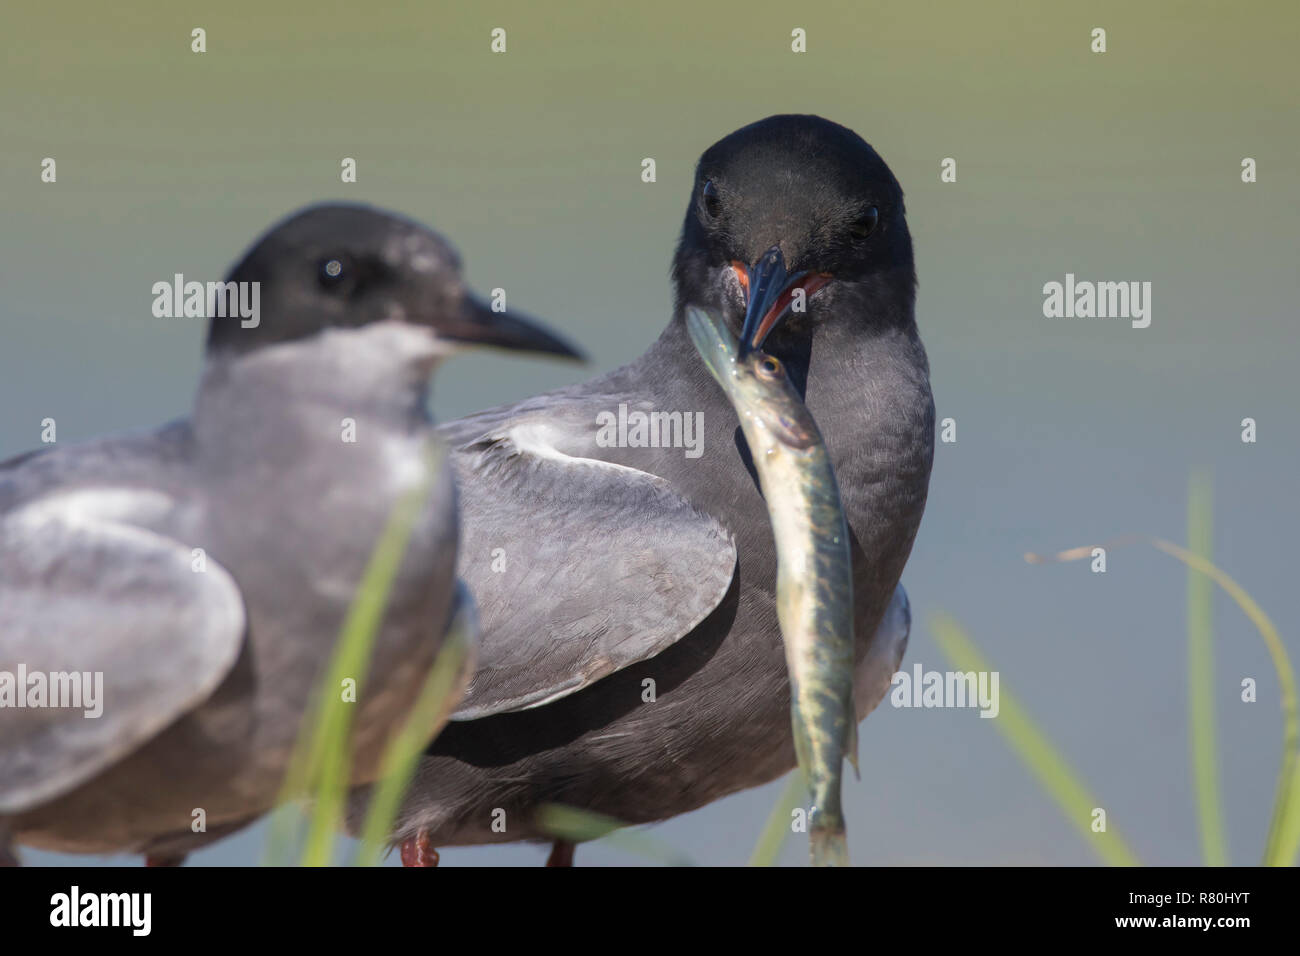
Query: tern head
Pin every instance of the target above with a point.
(794, 222)
(343, 265)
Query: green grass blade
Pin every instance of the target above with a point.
(579, 826)
(1201, 723)
(1284, 828)
(777, 827)
(352, 659)
(1283, 840)
(321, 763)
(1033, 748)
(403, 753)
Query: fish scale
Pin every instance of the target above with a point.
(814, 580)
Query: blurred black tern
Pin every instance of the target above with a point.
(198, 575)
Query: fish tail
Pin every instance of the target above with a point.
(829, 846)
(826, 829)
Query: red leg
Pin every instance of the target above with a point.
(418, 851)
(561, 854)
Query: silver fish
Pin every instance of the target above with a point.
(814, 580)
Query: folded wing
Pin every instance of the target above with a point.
(580, 567)
(85, 593)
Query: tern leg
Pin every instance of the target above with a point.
(561, 853)
(418, 851)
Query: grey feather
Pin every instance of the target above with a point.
(75, 593)
(583, 589)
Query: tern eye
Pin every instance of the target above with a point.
(331, 273)
(866, 224)
(709, 197)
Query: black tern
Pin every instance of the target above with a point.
(630, 660)
(203, 570)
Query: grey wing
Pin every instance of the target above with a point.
(82, 594)
(579, 567)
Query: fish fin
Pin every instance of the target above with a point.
(829, 847)
(851, 751)
(802, 748)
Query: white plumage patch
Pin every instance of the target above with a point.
(536, 438)
(93, 505)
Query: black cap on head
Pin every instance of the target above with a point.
(785, 208)
(343, 265)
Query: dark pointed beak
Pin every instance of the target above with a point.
(771, 289)
(478, 324)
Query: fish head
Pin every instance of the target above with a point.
(771, 412)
